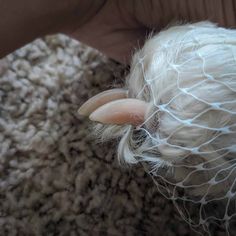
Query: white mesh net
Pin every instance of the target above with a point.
(188, 140)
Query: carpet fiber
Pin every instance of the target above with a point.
(55, 178)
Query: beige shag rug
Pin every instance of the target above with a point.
(55, 179)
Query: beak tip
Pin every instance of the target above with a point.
(94, 117)
(100, 99)
(82, 111)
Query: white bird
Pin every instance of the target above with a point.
(177, 113)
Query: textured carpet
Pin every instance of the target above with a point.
(55, 179)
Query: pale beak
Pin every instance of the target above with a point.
(100, 99)
(122, 111)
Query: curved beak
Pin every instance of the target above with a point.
(114, 107)
(100, 99)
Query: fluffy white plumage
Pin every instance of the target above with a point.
(187, 76)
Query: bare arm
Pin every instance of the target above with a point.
(115, 27)
(25, 20)
(127, 23)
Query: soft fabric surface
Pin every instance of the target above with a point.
(55, 179)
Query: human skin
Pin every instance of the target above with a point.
(115, 27)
